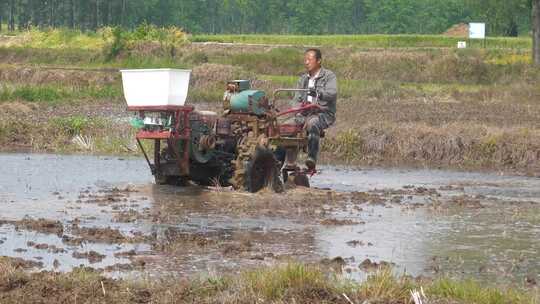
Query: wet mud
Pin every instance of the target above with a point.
(421, 223)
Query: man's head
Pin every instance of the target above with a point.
(312, 60)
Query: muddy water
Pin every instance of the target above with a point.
(495, 241)
(484, 226)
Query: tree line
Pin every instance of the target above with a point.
(503, 17)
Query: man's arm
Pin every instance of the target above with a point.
(329, 92)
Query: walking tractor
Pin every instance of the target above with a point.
(251, 145)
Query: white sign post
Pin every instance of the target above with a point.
(477, 31)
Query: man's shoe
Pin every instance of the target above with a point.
(310, 164)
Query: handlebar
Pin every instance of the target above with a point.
(305, 106)
(302, 108)
(292, 90)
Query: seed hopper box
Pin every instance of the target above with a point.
(155, 87)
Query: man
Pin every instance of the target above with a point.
(322, 86)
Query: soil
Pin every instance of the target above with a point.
(458, 30)
(55, 75)
(19, 263)
(99, 235)
(336, 222)
(50, 248)
(92, 256)
(466, 202)
(39, 225)
(369, 265)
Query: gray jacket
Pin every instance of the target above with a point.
(326, 84)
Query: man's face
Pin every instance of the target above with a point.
(311, 63)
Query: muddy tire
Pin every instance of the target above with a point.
(301, 180)
(262, 171)
(161, 179)
(170, 180)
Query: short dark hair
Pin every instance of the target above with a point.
(317, 53)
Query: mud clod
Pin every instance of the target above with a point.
(72, 241)
(530, 281)
(119, 267)
(129, 216)
(356, 243)
(335, 264)
(92, 256)
(368, 265)
(125, 254)
(337, 222)
(100, 235)
(19, 263)
(234, 249)
(39, 225)
(466, 202)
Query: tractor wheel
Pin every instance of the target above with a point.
(261, 171)
(297, 179)
(160, 179)
(257, 170)
(170, 180)
(301, 180)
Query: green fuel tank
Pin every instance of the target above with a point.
(249, 101)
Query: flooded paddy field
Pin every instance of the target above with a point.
(60, 212)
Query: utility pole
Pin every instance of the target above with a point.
(95, 20)
(11, 15)
(71, 14)
(123, 13)
(536, 31)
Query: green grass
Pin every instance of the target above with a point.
(366, 41)
(65, 38)
(72, 125)
(472, 292)
(61, 38)
(471, 66)
(33, 94)
(292, 283)
(48, 56)
(81, 58)
(427, 65)
(56, 94)
(350, 88)
(293, 278)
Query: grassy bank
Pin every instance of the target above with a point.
(416, 104)
(367, 41)
(66, 38)
(67, 133)
(292, 283)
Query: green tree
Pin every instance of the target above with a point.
(274, 16)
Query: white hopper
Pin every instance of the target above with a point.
(155, 87)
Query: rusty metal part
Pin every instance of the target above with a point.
(245, 149)
(180, 132)
(223, 127)
(207, 142)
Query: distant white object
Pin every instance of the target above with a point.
(419, 297)
(477, 30)
(155, 87)
(462, 44)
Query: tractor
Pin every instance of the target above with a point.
(244, 146)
